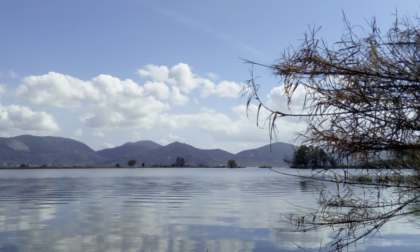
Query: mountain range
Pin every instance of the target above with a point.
(36, 150)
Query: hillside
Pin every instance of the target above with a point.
(272, 156)
(166, 155)
(37, 150)
(128, 149)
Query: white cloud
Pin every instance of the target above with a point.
(218, 125)
(21, 118)
(278, 101)
(157, 89)
(112, 103)
(135, 136)
(207, 110)
(140, 113)
(182, 77)
(56, 89)
(98, 134)
(213, 76)
(13, 74)
(3, 89)
(170, 139)
(107, 145)
(177, 98)
(221, 127)
(223, 89)
(155, 72)
(78, 133)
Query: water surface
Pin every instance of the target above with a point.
(163, 210)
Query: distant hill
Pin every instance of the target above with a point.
(166, 155)
(37, 150)
(128, 149)
(271, 155)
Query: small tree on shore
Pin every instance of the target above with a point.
(131, 162)
(231, 163)
(179, 162)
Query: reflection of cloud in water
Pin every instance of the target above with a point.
(289, 240)
(156, 210)
(17, 218)
(149, 244)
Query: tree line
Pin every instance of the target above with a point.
(313, 156)
(179, 162)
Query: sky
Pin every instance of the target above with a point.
(114, 71)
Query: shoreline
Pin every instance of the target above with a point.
(112, 167)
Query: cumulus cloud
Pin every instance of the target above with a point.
(207, 110)
(162, 92)
(111, 103)
(107, 145)
(185, 80)
(3, 89)
(21, 118)
(98, 134)
(170, 139)
(218, 125)
(183, 77)
(180, 76)
(158, 73)
(278, 101)
(221, 127)
(177, 98)
(213, 76)
(56, 89)
(78, 133)
(223, 89)
(157, 89)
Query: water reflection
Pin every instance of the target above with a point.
(156, 210)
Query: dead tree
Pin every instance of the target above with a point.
(362, 100)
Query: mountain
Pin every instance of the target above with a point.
(154, 154)
(128, 149)
(37, 150)
(166, 155)
(271, 155)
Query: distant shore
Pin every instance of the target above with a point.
(108, 167)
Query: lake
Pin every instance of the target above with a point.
(164, 210)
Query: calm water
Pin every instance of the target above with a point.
(163, 210)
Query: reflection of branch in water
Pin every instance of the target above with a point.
(355, 210)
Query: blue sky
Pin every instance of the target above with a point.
(109, 72)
